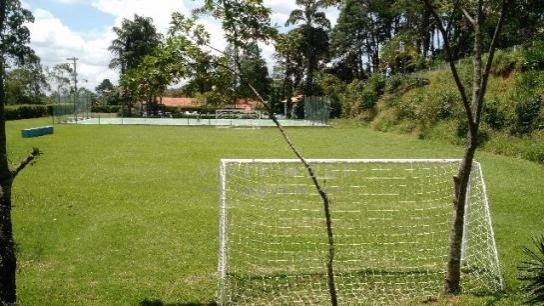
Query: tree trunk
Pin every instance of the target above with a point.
(461, 181)
(8, 262)
(426, 32)
(453, 276)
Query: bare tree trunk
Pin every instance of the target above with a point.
(426, 32)
(473, 108)
(8, 261)
(461, 181)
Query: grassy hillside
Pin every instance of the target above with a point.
(428, 105)
(115, 215)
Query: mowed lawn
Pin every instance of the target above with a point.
(122, 215)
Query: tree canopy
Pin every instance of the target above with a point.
(135, 39)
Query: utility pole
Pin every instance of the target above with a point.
(74, 61)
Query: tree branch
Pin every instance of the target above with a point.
(322, 193)
(467, 15)
(449, 55)
(31, 157)
(491, 55)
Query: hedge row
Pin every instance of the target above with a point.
(106, 109)
(16, 112)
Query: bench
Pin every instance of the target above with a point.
(36, 132)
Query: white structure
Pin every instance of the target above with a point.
(391, 221)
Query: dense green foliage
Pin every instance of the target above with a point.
(26, 84)
(135, 39)
(16, 112)
(106, 108)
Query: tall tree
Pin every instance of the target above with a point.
(135, 39)
(290, 62)
(14, 37)
(106, 93)
(59, 78)
(253, 66)
(313, 28)
(475, 13)
(104, 86)
(350, 39)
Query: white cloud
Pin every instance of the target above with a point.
(54, 42)
(160, 11)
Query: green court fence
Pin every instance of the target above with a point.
(317, 109)
(72, 107)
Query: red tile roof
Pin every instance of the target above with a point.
(179, 101)
(192, 102)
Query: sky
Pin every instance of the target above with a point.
(83, 28)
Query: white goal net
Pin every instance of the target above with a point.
(236, 113)
(391, 222)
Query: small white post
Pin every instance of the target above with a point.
(466, 222)
(490, 233)
(223, 244)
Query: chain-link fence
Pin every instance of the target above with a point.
(72, 107)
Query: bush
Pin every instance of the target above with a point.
(351, 99)
(106, 109)
(532, 270)
(534, 57)
(16, 112)
(443, 131)
(527, 103)
(527, 112)
(529, 147)
(533, 151)
(401, 83)
(492, 115)
(506, 62)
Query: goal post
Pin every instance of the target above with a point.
(391, 221)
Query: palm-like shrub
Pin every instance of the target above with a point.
(532, 270)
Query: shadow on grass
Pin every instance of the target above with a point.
(147, 302)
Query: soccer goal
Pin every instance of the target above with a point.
(235, 113)
(391, 221)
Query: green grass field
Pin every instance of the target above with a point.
(117, 215)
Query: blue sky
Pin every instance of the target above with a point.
(82, 28)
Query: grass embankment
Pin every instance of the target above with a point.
(428, 105)
(115, 215)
